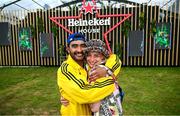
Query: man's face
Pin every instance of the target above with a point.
(94, 58)
(75, 49)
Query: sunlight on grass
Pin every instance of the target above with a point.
(34, 91)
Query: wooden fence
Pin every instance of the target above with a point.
(12, 56)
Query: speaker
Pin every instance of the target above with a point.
(136, 43)
(5, 33)
(46, 45)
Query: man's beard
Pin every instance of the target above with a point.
(77, 56)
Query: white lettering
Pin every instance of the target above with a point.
(101, 22)
(70, 22)
(89, 30)
(107, 21)
(90, 22)
(93, 22)
(76, 23)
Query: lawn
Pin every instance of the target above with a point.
(34, 91)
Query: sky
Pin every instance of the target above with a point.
(29, 4)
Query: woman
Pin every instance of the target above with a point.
(96, 54)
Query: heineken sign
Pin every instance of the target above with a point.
(98, 20)
(93, 22)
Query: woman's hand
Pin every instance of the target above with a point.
(97, 72)
(64, 101)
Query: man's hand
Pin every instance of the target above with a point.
(97, 72)
(64, 101)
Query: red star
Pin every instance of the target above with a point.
(88, 8)
(125, 17)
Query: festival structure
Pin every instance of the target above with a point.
(140, 34)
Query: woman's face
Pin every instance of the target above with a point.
(94, 58)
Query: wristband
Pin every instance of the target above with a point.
(109, 72)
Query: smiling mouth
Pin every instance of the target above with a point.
(92, 64)
(79, 55)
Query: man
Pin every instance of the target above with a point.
(73, 81)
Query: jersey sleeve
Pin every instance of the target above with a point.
(114, 63)
(75, 89)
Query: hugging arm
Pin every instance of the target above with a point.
(76, 89)
(112, 65)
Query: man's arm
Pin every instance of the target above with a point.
(114, 64)
(76, 90)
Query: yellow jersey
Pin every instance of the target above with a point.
(114, 63)
(73, 85)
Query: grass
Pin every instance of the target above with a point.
(34, 91)
(152, 91)
(29, 91)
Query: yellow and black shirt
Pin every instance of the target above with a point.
(73, 86)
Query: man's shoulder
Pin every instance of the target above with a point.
(113, 57)
(113, 60)
(65, 65)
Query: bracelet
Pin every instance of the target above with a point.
(109, 72)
